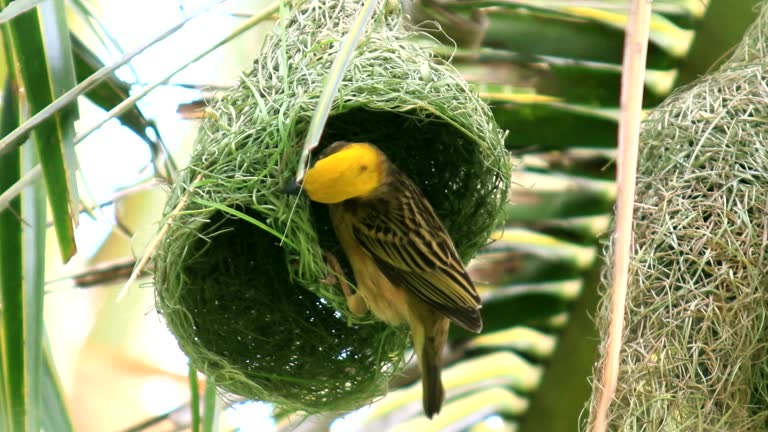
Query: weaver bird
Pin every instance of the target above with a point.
(405, 265)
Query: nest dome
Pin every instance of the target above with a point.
(240, 275)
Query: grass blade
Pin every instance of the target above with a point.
(210, 413)
(194, 398)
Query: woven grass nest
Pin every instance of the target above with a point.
(695, 352)
(240, 275)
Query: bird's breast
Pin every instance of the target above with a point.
(389, 303)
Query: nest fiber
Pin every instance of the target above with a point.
(695, 353)
(240, 275)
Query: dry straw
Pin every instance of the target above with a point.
(695, 354)
(248, 294)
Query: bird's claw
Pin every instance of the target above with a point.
(355, 302)
(336, 275)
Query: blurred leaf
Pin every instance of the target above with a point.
(572, 30)
(550, 195)
(531, 128)
(683, 10)
(664, 34)
(37, 37)
(11, 271)
(543, 34)
(496, 425)
(469, 410)
(522, 310)
(34, 231)
(722, 28)
(598, 82)
(580, 229)
(503, 369)
(545, 247)
(592, 163)
(5, 408)
(565, 390)
(16, 8)
(526, 340)
(54, 413)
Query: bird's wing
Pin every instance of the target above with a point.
(412, 248)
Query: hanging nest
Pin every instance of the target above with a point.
(695, 353)
(240, 275)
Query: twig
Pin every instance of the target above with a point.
(100, 274)
(632, 85)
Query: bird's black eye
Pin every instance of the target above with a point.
(363, 168)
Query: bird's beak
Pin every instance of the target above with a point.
(292, 187)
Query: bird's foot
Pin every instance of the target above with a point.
(355, 302)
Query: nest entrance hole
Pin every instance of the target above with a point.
(445, 164)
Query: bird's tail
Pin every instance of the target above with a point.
(429, 347)
(432, 384)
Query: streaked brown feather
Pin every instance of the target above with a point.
(410, 245)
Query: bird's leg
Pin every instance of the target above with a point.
(355, 302)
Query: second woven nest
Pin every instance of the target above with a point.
(695, 352)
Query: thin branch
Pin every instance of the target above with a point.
(632, 84)
(100, 274)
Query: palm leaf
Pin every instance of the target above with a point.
(39, 42)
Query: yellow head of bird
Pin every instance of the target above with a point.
(344, 171)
